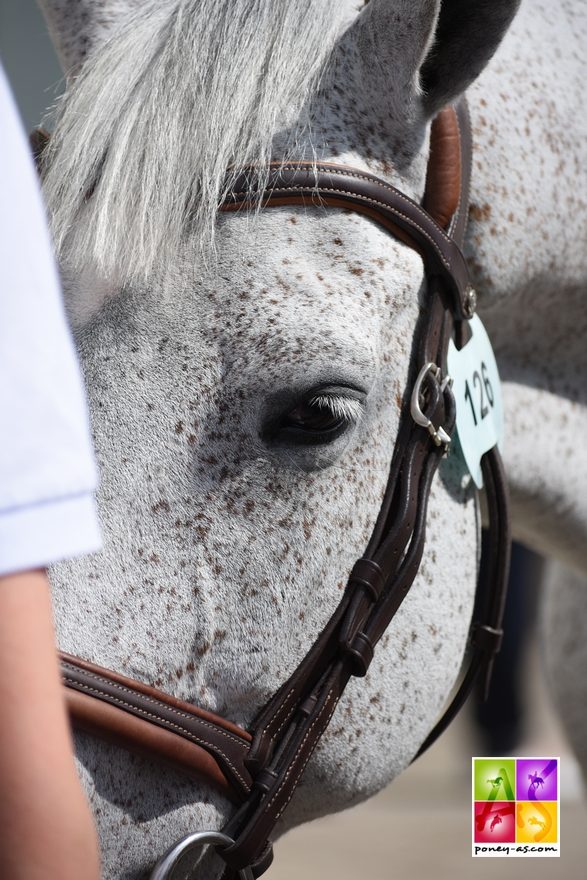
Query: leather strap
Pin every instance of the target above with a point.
(151, 722)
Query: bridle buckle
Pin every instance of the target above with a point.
(439, 436)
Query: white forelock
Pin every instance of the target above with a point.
(155, 119)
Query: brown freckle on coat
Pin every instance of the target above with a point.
(217, 569)
(179, 427)
(219, 634)
(479, 212)
(356, 270)
(203, 649)
(249, 506)
(161, 505)
(154, 558)
(192, 439)
(293, 220)
(337, 241)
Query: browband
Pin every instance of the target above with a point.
(340, 186)
(261, 767)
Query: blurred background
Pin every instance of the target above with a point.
(28, 59)
(422, 823)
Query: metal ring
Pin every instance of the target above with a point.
(439, 435)
(168, 861)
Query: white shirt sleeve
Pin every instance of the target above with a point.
(47, 470)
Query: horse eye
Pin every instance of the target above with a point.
(311, 416)
(319, 419)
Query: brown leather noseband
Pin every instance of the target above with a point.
(260, 768)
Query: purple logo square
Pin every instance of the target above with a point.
(536, 779)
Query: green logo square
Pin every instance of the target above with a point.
(494, 779)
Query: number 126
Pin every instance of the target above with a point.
(484, 392)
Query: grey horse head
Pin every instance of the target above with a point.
(245, 379)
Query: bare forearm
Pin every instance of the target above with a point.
(46, 829)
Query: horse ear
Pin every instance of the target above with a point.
(418, 55)
(78, 27)
(390, 41)
(467, 34)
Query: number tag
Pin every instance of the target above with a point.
(477, 391)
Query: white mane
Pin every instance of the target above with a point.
(158, 115)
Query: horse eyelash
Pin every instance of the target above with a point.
(346, 408)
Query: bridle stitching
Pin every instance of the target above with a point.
(159, 703)
(368, 178)
(299, 750)
(163, 721)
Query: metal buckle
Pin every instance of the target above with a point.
(439, 435)
(167, 862)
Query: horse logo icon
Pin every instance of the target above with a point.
(497, 820)
(535, 780)
(495, 783)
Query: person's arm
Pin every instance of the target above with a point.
(46, 831)
(47, 513)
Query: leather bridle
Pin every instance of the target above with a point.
(261, 767)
